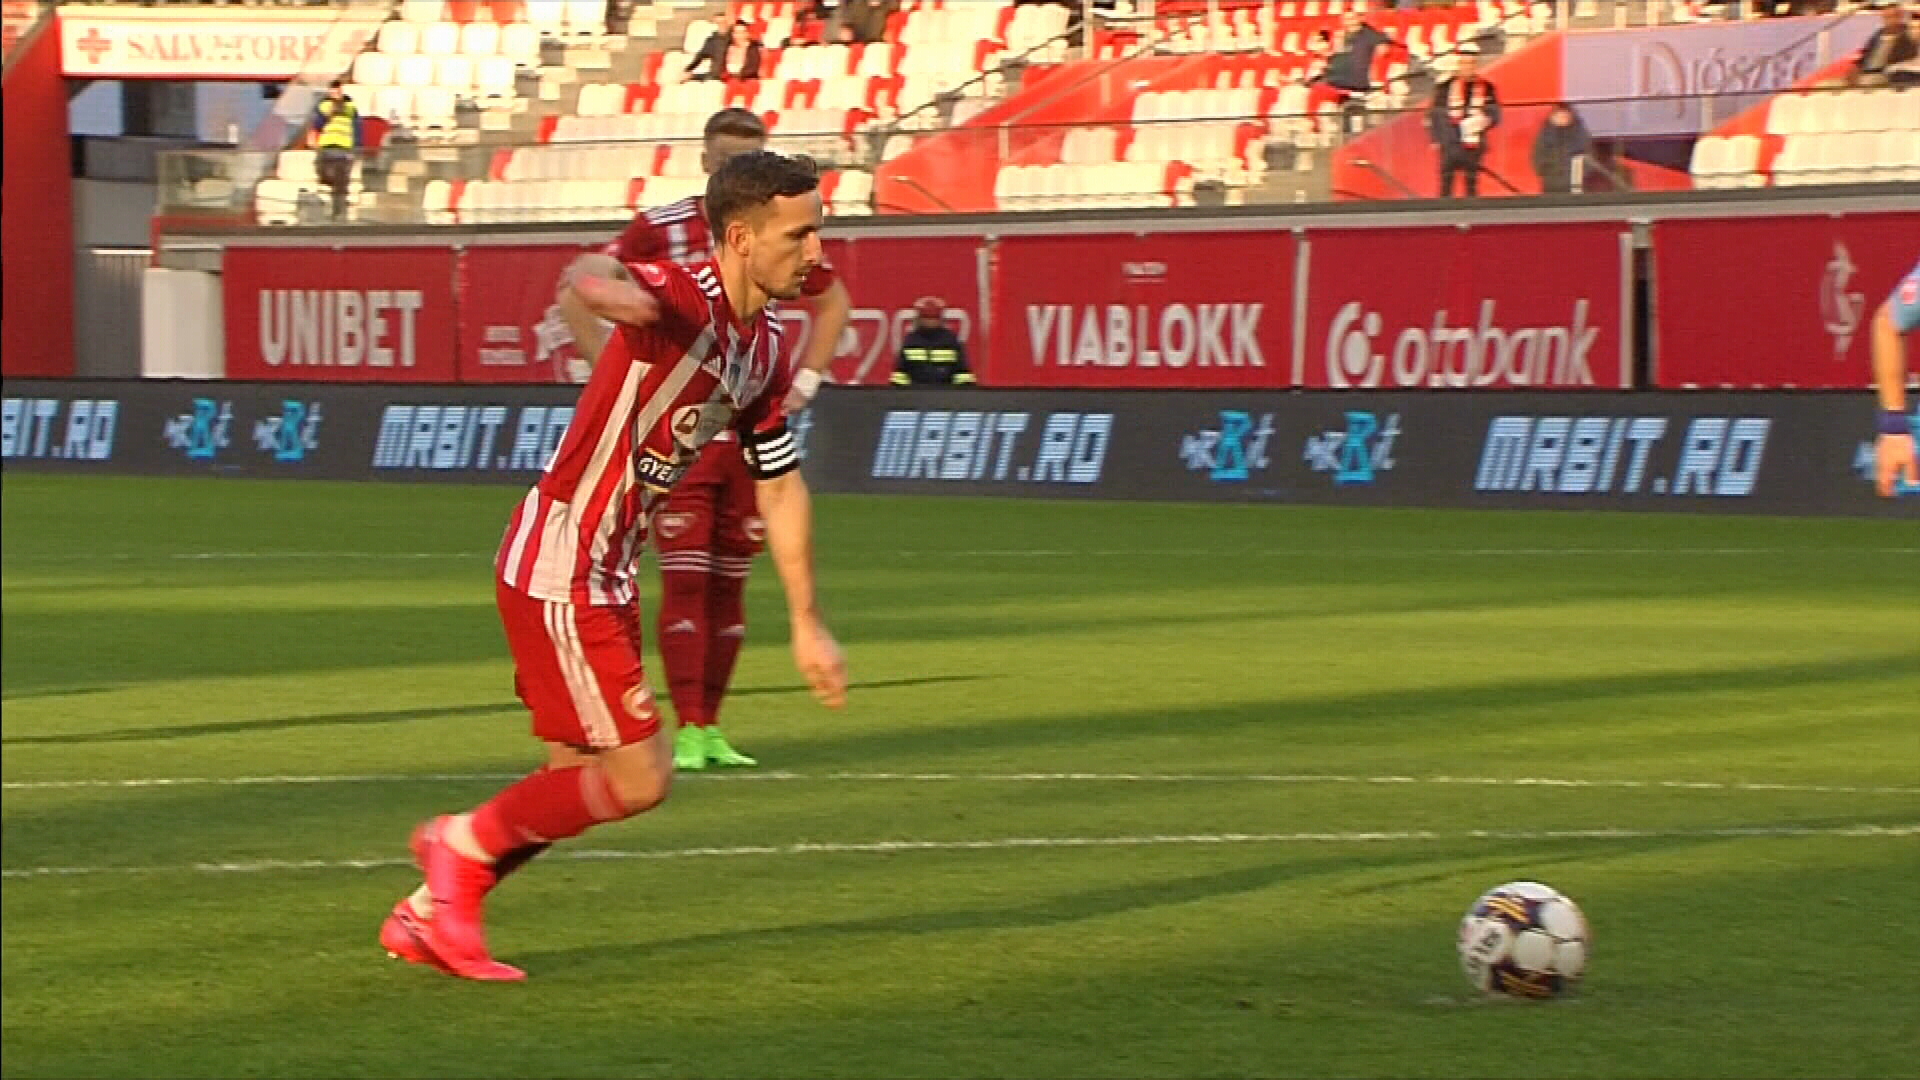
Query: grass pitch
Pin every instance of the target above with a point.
(1123, 791)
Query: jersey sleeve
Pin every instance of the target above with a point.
(681, 301)
(1904, 304)
(640, 241)
(768, 443)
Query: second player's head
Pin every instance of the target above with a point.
(730, 133)
(764, 210)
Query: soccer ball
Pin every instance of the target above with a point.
(1524, 940)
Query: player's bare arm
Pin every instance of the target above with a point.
(620, 300)
(589, 331)
(1894, 458)
(787, 509)
(831, 311)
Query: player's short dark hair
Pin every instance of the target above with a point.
(750, 181)
(737, 122)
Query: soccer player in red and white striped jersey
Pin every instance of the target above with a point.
(695, 353)
(709, 532)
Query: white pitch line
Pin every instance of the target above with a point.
(1004, 777)
(897, 847)
(1034, 553)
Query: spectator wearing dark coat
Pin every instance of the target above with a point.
(1465, 110)
(1349, 66)
(1563, 141)
(1890, 44)
(728, 54)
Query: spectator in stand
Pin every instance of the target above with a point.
(728, 54)
(931, 354)
(1559, 149)
(1890, 44)
(1349, 69)
(336, 132)
(867, 18)
(809, 24)
(1465, 109)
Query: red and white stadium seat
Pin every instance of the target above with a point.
(1819, 137)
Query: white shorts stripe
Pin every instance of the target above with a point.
(582, 687)
(602, 730)
(516, 549)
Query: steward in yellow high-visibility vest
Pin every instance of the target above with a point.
(932, 354)
(336, 135)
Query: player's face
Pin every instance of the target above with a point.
(784, 245)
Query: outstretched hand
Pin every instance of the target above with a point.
(818, 657)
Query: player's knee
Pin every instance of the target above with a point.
(640, 780)
(641, 794)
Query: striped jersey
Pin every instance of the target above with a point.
(658, 394)
(678, 232)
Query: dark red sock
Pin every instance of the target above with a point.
(683, 642)
(549, 805)
(726, 632)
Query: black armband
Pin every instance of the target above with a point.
(771, 453)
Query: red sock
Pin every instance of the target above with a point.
(683, 642)
(726, 632)
(549, 805)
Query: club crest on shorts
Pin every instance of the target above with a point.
(671, 526)
(638, 701)
(756, 529)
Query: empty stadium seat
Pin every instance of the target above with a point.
(399, 38)
(436, 203)
(414, 71)
(454, 73)
(494, 81)
(440, 39)
(422, 12)
(276, 202)
(521, 43)
(478, 39)
(373, 69)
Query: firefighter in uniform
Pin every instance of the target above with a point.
(336, 135)
(932, 354)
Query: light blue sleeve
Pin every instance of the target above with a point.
(1905, 302)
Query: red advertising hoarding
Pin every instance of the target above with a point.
(510, 332)
(340, 315)
(1497, 307)
(1186, 310)
(1782, 302)
(510, 328)
(885, 276)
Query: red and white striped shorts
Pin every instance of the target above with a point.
(578, 670)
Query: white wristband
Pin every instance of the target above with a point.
(807, 381)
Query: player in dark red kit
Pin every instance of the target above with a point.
(710, 530)
(696, 352)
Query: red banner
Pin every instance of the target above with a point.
(1500, 307)
(510, 329)
(340, 315)
(1176, 310)
(884, 277)
(1775, 302)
